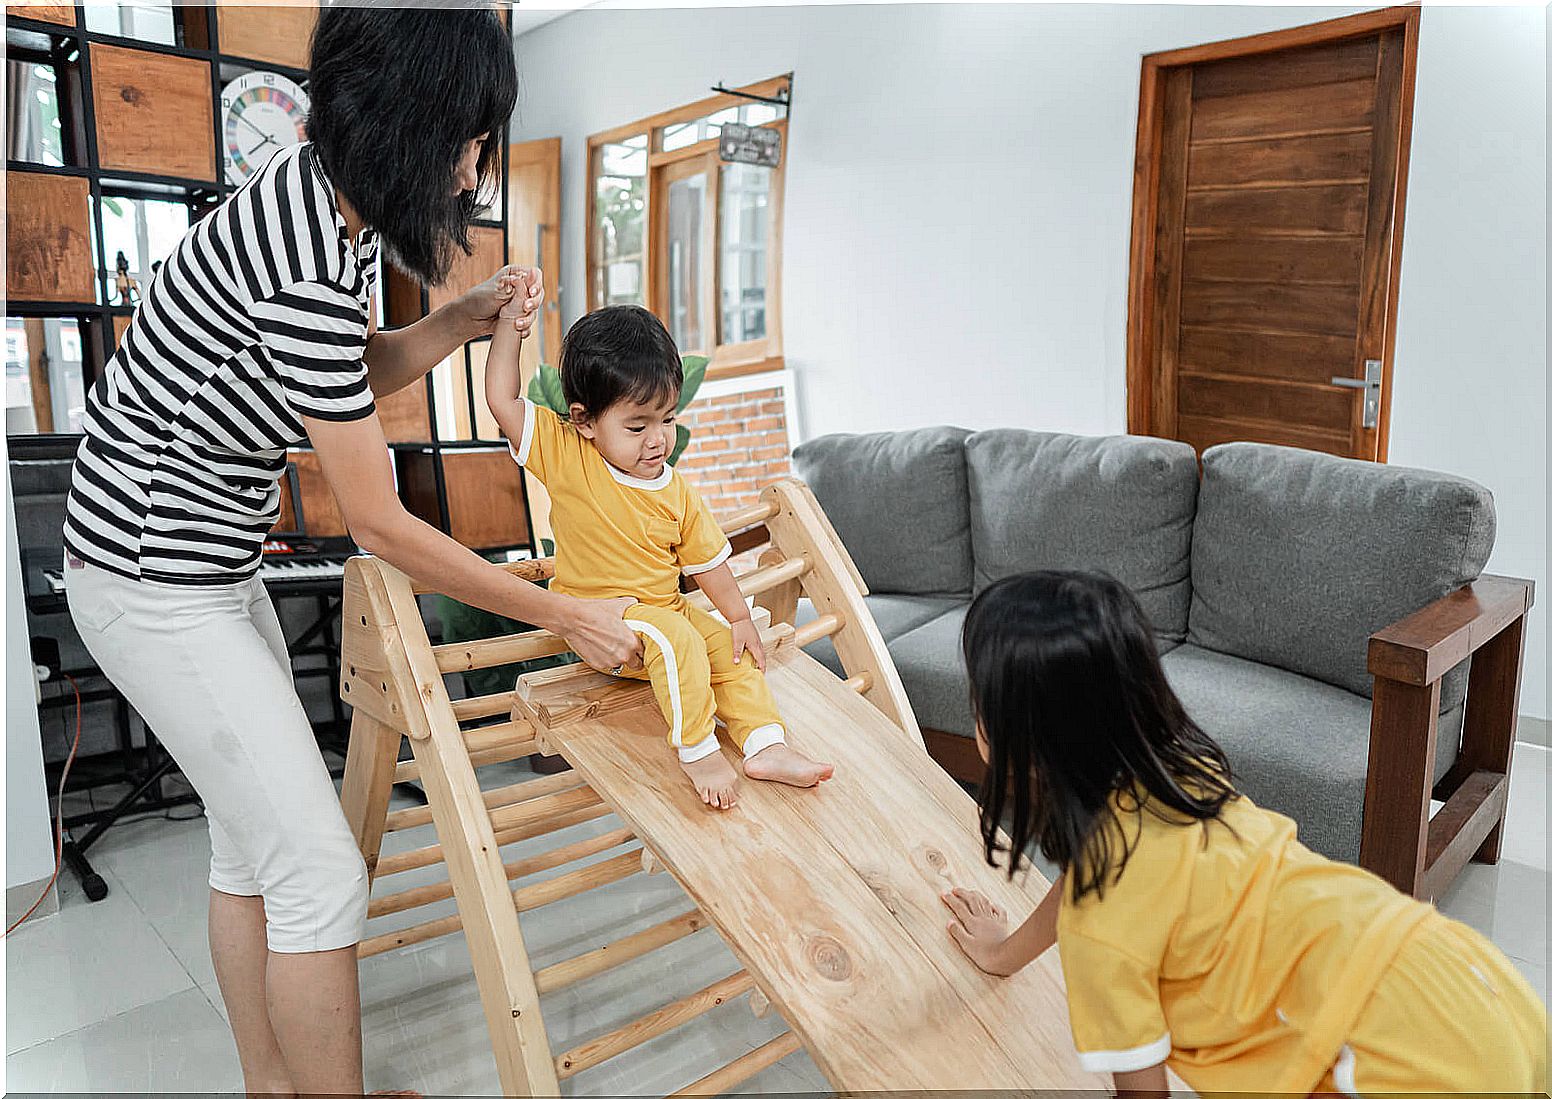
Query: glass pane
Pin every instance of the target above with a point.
(682, 134)
(745, 204)
(32, 127)
(49, 348)
(686, 214)
(132, 19)
(144, 231)
(620, 205)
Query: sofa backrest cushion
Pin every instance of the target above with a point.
(899, 504)
(1299, 557)
(1119, 504)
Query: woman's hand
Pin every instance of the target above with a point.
(746, 636)
(596, 631)
(980, 928)
(482, 305)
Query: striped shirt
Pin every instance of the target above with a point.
(257, 319)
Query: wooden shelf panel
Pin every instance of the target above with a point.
(154, 112)
(48, 238)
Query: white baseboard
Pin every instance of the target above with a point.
(19, 898)
(1532, 730)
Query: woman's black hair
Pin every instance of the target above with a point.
(618, 353)
(1068, 691)
(397, 93)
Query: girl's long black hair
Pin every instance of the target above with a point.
(1068, 692)
(396, 95)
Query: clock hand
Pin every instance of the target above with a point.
(251, 126)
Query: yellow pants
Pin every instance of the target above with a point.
(1451, 1015)
(688, 657)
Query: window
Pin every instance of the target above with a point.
(45, 385)
(695, 240)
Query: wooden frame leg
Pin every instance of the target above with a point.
(368, 783)
(1492, 716)
(1400, 782)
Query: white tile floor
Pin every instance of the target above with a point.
(120, 995)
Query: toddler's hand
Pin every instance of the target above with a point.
(520, 291)
(979, 927)
(747, 636)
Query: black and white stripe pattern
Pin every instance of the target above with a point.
(257, 319)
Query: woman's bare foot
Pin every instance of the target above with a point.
(779, 763)
(715, 780)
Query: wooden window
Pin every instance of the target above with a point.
(693, 239)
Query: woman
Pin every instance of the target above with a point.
(255, 336)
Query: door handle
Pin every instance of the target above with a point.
(1373, 372)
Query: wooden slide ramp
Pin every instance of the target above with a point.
(830, 897)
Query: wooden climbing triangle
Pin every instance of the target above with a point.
(829, 898)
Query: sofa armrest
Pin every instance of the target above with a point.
(1415, 851)
(1424, 645)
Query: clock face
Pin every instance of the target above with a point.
(262, 112)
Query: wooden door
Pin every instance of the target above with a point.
(1266, 236)
(533, 239)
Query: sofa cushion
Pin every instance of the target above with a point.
(899, 504)
(1298, 557)
(1122, 504)
(893, 614)
(933, 673)
(1297, 746)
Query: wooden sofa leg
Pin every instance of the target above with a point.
(1492, 716)
(1400, 781)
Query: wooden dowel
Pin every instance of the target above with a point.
(823, 626)
(468, 709)
(517, 792)
(860, 682)
(541, 568)
(429, 856)
(762, 580)
(650, 1026)
(467, 656)
(441, 891)
(617, 953)
(527, 898)
(759, 1003)
(526, 813)
(488, 744)
(748, 517)
(757, 1060)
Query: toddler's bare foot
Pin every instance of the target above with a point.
(715, 780)
(779, 763)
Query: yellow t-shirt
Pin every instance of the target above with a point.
(1227, 948)
(616, 534)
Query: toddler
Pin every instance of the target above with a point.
(627, 524)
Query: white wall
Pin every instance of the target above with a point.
(958, 207)
(29, 846)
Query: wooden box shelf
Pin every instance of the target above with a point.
(154, 112)
(48, 238)
(281, 34)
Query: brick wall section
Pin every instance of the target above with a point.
(738, 445)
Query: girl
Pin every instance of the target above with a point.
(1195, 930)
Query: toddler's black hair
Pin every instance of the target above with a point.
(618, 353)
(1067, 689)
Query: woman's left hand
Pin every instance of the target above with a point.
(482, 304)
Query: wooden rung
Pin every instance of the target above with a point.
(400, 819)
(542, 568)
(650, 1026)
(649, 863)
(441, 891)
(467, 656)
(527, 898)
(759, 1003)
(617, 953)
(762, 580)
(526, 813)
(860, 682)
(488, 744)
(429, 856)
(757, 1060)
(748, 517)
(823, 626)
(468, 709)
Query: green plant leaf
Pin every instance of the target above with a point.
(545, 390)
(113, 205)
(694, 375)
(681, 440)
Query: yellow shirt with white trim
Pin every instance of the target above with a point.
(1226, 948)
(616, 534)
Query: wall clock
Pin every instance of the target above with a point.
(261, 113)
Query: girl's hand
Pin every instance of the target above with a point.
(980, 928)
(503, 296)
(747, 636)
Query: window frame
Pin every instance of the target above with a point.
(727, 360)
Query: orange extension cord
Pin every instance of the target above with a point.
(59, 818)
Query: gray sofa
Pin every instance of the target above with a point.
(1264, 579)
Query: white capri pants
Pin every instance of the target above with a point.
(207, 669)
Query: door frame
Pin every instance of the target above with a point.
(1142, 320)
